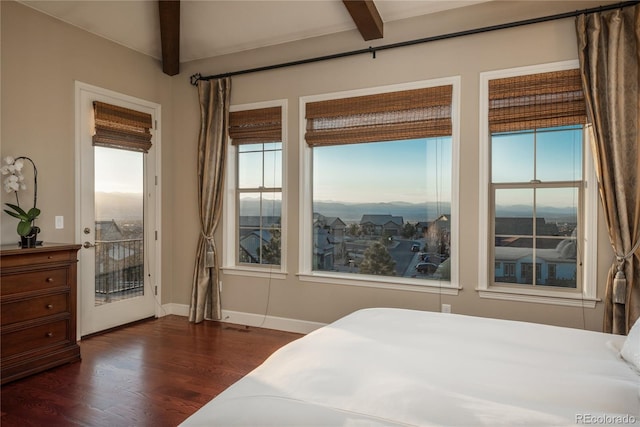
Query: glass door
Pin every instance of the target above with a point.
(116, 229)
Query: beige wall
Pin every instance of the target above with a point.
(465, 56)
(41, 58)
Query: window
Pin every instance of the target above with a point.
(254, 232)
(537, 193)
(509, 269)
(535, 170)
(380, 186)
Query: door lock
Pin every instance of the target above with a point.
(88, 245)
(87, 230)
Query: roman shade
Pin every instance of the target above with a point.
(256, 126)
(119, 127)
(407, 114)
(536, 101)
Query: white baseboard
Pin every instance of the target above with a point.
(251, 319)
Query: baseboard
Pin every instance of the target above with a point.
(251, 319)
(270, 322)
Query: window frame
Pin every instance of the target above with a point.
(230, 242)
(305, 270)
(585, 294)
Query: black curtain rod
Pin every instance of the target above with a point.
(372, 50)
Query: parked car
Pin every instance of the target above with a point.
(426, 267)
(415, 247)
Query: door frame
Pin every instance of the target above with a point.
(82, 91)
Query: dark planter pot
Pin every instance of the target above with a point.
(31, 240)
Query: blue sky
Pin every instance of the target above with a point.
(545, 156)
(405, 171)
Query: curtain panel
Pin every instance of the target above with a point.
(609, 52)
(212, 148)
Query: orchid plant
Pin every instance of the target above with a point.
(14, 182)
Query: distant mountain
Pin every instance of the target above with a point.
(549, 213)
(352, 212)
(118, 206)
(411, 212)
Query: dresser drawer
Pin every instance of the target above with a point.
(34, 308)
(30, 258)
(35, 337)
(34, 280)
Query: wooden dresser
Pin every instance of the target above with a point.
(38, 308)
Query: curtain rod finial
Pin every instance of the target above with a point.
(194, 78)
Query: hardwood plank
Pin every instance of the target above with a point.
(155, 373)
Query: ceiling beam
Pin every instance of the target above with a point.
(366, 17)
(170, 35)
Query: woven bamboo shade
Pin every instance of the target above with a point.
(408, 114)
(256, 126)
(118, 127)
(536, 101)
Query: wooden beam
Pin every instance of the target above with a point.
(170, 35)
(366, 17)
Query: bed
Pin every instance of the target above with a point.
(396, 367)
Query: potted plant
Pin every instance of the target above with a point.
(27, 230)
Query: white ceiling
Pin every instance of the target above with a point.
(218, 27)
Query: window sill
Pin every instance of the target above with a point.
(414, 285)
(269, 273)
(541, 297)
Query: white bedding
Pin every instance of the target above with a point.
(394, 367)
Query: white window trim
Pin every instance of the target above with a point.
(305, 272)
(587, 298)
(229, 213)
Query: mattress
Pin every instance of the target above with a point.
(396, 367)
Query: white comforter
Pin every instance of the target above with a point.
(394, 367)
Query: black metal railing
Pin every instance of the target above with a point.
(119, 268)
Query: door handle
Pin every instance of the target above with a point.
(88, 245)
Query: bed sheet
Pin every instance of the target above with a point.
(396, 367)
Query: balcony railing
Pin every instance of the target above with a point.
(119, 269)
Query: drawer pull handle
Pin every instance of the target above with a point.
(49, 306)
(49, 279)
(49, 334)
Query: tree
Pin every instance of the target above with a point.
(408, 230)
(271, 249)
(378, 261)
(353, 230)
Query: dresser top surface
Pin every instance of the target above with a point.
(15, 249)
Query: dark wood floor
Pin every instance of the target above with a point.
(154, 373)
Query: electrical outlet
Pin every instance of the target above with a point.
(59, 222)
(446, 308)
